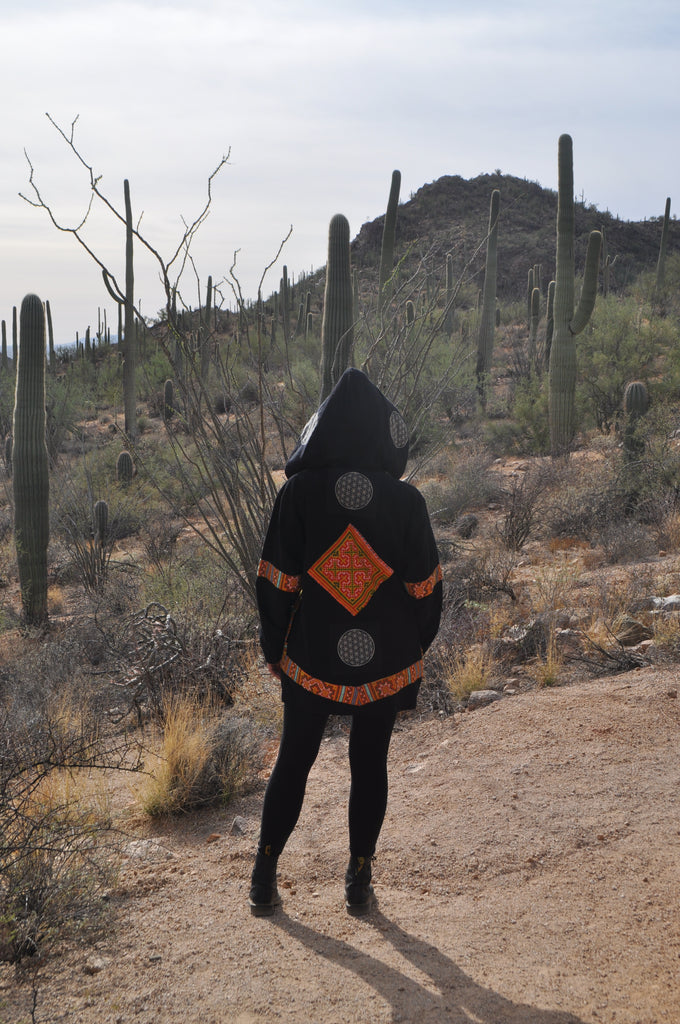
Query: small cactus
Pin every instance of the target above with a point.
(100, 516)
(124, 467)
(168, 400)
(635, 398)
(635, 405)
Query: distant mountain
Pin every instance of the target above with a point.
(452, 215)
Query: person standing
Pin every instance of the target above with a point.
(349, 595)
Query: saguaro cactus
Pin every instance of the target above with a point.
(567, 323)
(388, 238)
(487, 324)
(168, 400)
(30, 463)
(661, 262)
(337, 329)
(124, 468)
(126, 303)
(635, 405)
(100, 516)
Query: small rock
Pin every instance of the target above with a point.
(238, 826)
(480, 698)
(147, 849)
(213, 837)
(633, 632)
(95, 965)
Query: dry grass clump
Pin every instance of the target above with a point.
(204, 754)
(468, 671)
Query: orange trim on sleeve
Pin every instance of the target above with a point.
(281, 580)
(425, 587)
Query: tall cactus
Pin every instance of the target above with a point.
(567, 323)
(388, 239)
(30, 463)
(487, 324)
(337, 329)
(661, 262)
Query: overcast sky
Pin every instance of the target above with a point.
(316, 102)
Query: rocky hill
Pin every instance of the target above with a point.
(452, 214)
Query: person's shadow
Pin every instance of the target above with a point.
(454, 998)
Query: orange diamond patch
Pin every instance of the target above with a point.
(350, 570)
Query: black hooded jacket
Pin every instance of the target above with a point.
(349, 585)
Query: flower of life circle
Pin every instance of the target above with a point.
(356, 647)
(398, 430)
(353, 490)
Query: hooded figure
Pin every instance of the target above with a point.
(349, 594)
(349, 588)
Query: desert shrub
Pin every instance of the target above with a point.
(467, 482)
(618, 345)
(204, 755)
(54, 827)
(523, 505)
(626, 541)
(588, 499)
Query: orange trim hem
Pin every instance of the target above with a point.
(355, 696)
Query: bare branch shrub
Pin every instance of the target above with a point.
(524, 504)
(55, 857)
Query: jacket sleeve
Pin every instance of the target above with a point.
(279, 574)
(423, 574)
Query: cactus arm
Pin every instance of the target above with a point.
(586, 302)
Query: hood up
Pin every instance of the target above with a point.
(356, 427)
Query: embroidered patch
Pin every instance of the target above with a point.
(398, 430)
(350, 570)
(356, 647)
(353, 490)
(425, 587)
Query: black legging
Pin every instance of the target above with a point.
(369, 742)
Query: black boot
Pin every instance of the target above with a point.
(264, 896)
(359, 894)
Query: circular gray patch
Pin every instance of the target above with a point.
(398, 430)
(356, 647)
(353, 490)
